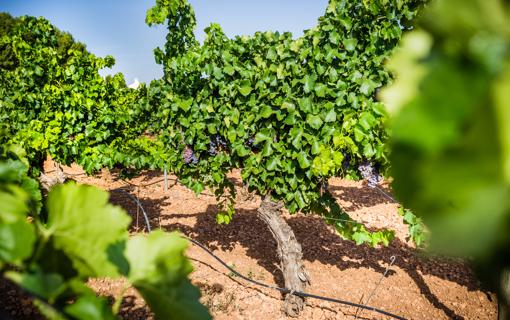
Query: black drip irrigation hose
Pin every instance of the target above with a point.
(261, 284)
(285, 290)
(146, 217)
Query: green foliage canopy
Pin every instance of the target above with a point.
(290, 112)
(56, 102)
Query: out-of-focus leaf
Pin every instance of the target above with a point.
(82, 224)
(159, 271)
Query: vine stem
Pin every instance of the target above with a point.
(45, 235)
(118, 300)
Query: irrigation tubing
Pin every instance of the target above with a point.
(146, 217)
(261, 284)
(285, 290)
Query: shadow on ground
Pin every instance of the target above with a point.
(319, 243)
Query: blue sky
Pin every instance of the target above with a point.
(117, 27)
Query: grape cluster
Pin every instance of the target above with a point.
(251, 144)
(369, 173)
(216, 142)
(346, 163)
(189, 156)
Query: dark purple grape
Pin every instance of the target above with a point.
(189, 156)
(369, 173)
(194, 159)
(346, 163)
(216, 142)
(250, 142)
(220, 141)
(213, 150)
(213, 147)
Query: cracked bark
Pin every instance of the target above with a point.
(289, 252)
(47, 182)
(504, 296)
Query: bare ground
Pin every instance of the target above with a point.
(416, 287)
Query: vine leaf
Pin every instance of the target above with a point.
(90, 307)
(82, 224)
(17, 236)
(44, 285)
(159, 270)
(245, 88)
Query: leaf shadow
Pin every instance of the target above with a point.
(319, 243)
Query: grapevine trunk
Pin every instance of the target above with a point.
(289, 252)
(504, 296)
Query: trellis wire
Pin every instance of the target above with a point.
(392, 260)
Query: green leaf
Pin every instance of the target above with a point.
(242, 151)
(296, 134)
(334, 37)
(361, 237)
(245, 88)
(298, 197)
(267, 150)
(271, 54)
(359, 135)
(197, 187)
(16, 241)
(315, 146)
(368, 86)
(160, 275)
(367, 120)
(305, 105)
(263, 135)
(17, 236)
(314, 121)
(368, 150)
(211, 128)
(290, 107)
(185, 104)
(271, 164)
(13, 205)
(309, 82)
(320, 90)
(90, 307)
(84, 225)
(47, 286)
(330, 116)
(229, 70)
(303, 160)
(350, 44)
(266, 111)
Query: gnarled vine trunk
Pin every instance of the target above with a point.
(504, 296)
(289, 251)
(47, 182)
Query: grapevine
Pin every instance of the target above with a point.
(289, 113)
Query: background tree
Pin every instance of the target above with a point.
(57, 103)
(53, 101)
(8, 60)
